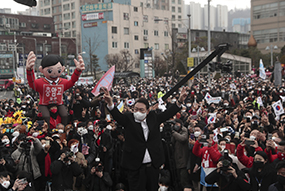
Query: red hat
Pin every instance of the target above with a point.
(71, 142)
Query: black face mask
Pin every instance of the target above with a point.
(176, 127)
(258, 164)
(281, 179)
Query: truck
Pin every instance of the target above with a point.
(6, 84)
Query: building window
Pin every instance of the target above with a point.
(173, 1)
(156, 46)
(34, 25)
(145, 18)
(72, 6)
(66, 16)
(179, 26)
(136, 51)
(163, 7)
(179, 9)
(126, 31)
(135, 9)
(23, 25)
(74, 34)
(173, 25)
(155, 33)
(3, 47)
(66, 7)
(126, 16)
(67, 26)
(47, 11)
(114, 45)
(173, 9)
(73, 15)
(48, 48)
(136, 23)
(165, 21)
(146, 45)
(173, 17)
(73, 24)
(179, 17)
(126, 45)
(179, 2)
(137, 65)
(166, 46)
(165, 33)
(114, 30)
(46, 26)
(145, 32)
(136, 37)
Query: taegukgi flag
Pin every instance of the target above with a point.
(262, 74)
(106, 81)
(212, 118)
(278, 108)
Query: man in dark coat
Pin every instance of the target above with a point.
(143, 151)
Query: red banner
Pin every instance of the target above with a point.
(106, 81)
(52, 94)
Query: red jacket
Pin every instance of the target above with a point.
(271, 157)
(204, 153)
(40, 85)
(245, 160)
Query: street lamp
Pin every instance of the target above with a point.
(271, 51)
(209, 42)
(35, 48)
(202, 49)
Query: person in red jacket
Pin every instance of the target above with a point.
(51, 87)
(245, 160)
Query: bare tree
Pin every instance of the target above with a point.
(123, 61)
(92, 45)
(159, 65)
(114, 59)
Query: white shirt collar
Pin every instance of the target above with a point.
(140, 121)
(50, 81)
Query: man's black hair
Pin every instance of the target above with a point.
(143, 101)
(179, 121)
(280, 164)
(51, 60)
(222, 139)
(4, 174)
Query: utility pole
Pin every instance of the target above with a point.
(209, 43)
(189, 46)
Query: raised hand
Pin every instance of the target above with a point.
(107, 97)
(80, 66)
(31, 61)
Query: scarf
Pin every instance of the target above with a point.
(47, 165)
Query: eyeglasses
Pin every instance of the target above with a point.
(142, 110)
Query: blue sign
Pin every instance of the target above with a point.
(96, 7)
(6, 55)
(145, 61)
(39, 56)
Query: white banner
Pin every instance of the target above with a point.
(209, 99)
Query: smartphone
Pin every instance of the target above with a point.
(249, 142)
(23, 181)
(248, 120)
(203, 139)
(192, 136)
(47, 142)
(108, 117)
(269, 136)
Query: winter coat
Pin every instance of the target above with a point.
(19, 154)
(93, 182)
(62, 174)
(245, 160)
(180, 140)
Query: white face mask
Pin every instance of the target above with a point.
(6, 141)
(139, 116)
(44, 145)
(223, 147)
(252, 137)
(35, 134)
(197, 133)
(163, 188)
(60, 131)
(90, 127)
(74, 148)
(79, 130)
(6, 184)
(109, 127)
(188, 105)
(84, 131)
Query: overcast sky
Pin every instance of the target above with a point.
(232, 4)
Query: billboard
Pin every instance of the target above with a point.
(92, 16)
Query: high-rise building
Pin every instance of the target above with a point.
(196, 19)
(221, 18)
(212, 17)
(30, 11)
(268, 24)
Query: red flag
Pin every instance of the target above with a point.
(106, 81)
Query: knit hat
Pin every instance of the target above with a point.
(261, 153)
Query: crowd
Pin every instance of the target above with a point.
(233, 142)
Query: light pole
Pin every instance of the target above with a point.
(209, 43)
(271, 51)
(24, 70)
(35, 49)
(189, 45)
(202, 49)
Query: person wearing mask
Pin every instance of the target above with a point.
(280, 184)
(261, 174)
(79, 104)
(106, 148)
(143, 151)
(99, 101)
(228, 176)
(5, 181)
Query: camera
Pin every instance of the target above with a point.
(101, 95)
(226, 161)
(99, 168)
(67, 155)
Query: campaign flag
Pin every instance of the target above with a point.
(106, 81)
(121, 106)
(262, 74)
(131, 102)
(209, 99)
(278, 108)
(259, 101)
(212, 118)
